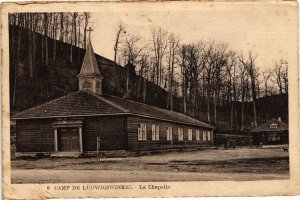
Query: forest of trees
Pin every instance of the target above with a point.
(70, 28)
(206, 75)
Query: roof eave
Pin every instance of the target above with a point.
(113, 114)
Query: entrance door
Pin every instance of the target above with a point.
(68, 139)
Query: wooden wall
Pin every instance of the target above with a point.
(135, 144)
(111, 129)
(38, 135)
(34, 135)
(263, 137)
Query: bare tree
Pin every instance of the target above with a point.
(160, 42)
(232, 84)
(280, 76)
(173, 45)
(144, 63)
(87, 17)
(184, 74)
(267, 74)
(130, 52)
(120, 32)
(219, 61)
(249, 64)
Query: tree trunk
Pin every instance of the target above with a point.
(127, 83)
(139, 86)
(254, 112)
(16, 68)
(215, 106)
(62, 27)
(184, 95)
(194, 99)
(242, 114)
(84, 37)
(30, 60)
(144, 89)
(71, 53)
(34, 72)
(46, 50)
(235, 116)
(54, 51)
(207, 105)
(231, 116)
(171, 86)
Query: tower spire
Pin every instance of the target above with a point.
(89, 30)
(90, 78)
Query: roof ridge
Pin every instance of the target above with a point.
(107, 101)
(38, 106)
(268, 122)
(159, 108)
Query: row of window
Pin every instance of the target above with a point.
(142, 133)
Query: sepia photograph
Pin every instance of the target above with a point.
(158, 94)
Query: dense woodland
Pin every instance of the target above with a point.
(206, 80)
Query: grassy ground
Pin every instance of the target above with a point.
(231, 162)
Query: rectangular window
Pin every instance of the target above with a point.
(180, 134)
(204, 135)
(273, 137)
(197, 135)
(190, 134)
(142, 133)
(155, 132)
(169, 133)
(208, 135)
(140, 137)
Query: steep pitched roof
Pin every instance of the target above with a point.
(281, 126)
(83, 103)
(89, 65)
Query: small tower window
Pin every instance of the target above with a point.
(86, 85)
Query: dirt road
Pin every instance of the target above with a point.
(239, 164)
(104, 176)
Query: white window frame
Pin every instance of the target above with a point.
(142, 132)
(197, 135)
(140, 136)
(204, 135)
(180, 134)
(190, 134)
(169, 133)
(155, 132)
(208, 136)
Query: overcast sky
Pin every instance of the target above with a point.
(264, 28)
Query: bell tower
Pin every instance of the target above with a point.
(90, 78)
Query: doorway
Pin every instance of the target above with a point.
(68, 139)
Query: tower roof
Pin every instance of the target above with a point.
(89, 66)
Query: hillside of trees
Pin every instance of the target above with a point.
(205, 80)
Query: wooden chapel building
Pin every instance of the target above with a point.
(72, 123)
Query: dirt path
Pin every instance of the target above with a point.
(239, 164)
(104, 176)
